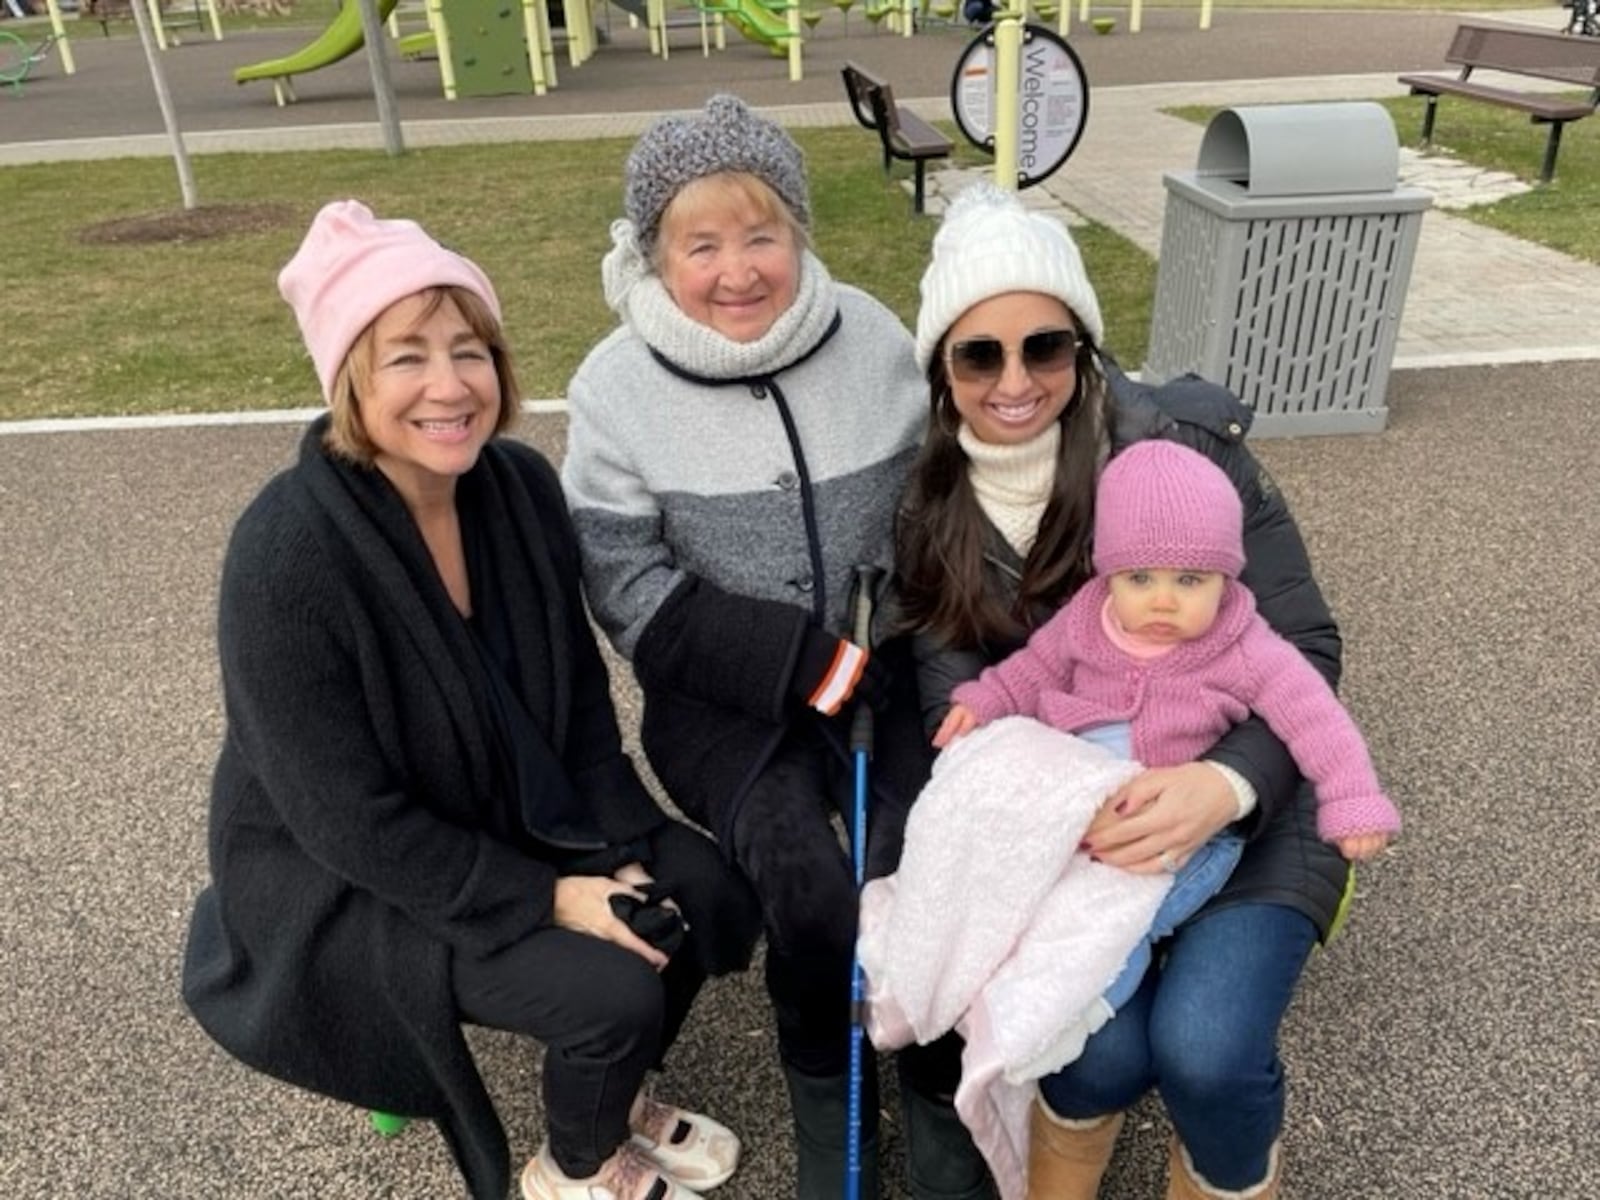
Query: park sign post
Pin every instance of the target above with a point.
(1020, 93)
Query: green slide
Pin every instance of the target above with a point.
(755, 20)
(339, 40)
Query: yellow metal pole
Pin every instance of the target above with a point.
(216, 21)
(1136, 16)
(153, 7)
(1007, 79)
(1205, 14)
(580, 31)
(796, 66)
(441, 40)
(658, 21)
(908, 18)
(541, 47)
(59, 28)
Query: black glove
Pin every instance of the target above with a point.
(830, 670)
(662, 927)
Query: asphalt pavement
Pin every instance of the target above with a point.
(1444, 1048)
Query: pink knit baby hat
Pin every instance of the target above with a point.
(353, 265)
(1160, 504)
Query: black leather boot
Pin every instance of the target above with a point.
(821, 1118)
(941, 1161)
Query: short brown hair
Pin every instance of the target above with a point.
(347, 434)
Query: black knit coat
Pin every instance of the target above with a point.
(360, 829)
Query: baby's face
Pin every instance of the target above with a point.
(1166, 604)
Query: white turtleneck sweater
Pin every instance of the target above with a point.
(1012, 482)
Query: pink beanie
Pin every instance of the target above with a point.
(352, 266)
(1163, 505)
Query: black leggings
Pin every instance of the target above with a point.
(788, 847)
(605, 1017)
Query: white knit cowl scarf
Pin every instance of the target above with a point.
(1012, 483)
(635, 292)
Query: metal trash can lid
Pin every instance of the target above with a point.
(1302, 149)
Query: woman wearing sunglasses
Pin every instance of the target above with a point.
(995, 536)
(737, 447)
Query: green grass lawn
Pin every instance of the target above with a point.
(199, 326)
(1565, 215)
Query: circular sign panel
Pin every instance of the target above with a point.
(1052, 100)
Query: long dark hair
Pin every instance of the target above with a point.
(941, 535)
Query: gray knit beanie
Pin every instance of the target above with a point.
(727, 136)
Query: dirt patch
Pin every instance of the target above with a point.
(190, 225)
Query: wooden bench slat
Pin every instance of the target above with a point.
(1554, 108)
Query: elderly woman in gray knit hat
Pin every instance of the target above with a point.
(737, 448)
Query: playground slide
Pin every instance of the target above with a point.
(756, 21)
(749, 17)
(339, 40)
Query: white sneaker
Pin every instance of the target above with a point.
(629, 1174)
(689, 1146)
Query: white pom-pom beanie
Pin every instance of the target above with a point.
(989, 244)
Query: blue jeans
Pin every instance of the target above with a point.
(1196, 882)
(1202, 1029)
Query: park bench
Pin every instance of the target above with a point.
(1533, 53)
(903, 134)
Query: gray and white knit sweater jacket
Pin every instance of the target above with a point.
(719, 517)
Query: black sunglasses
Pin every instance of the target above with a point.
(982, 359)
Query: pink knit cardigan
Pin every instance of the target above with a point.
(1071, 677)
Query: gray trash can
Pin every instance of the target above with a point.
(1285, 258)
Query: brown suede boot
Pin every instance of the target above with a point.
(1067, 1158)
(1185, 1183)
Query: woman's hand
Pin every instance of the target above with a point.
(1156, 820)
(583, 905)
(1362, 846)
(958, 722)
(634, 875)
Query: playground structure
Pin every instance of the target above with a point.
(18, 57)
(162, 22)
(478, 54)
(490, 47)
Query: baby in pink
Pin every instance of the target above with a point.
(1164, 650)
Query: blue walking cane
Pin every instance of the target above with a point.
(866, 583)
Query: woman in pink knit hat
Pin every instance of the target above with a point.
(997, 533)
(421, 815)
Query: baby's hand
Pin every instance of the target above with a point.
(1362, 846)
(958, 722)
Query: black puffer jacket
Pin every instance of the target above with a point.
(1284, 862)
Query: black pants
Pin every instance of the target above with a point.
(788, 847)
(605, 1015)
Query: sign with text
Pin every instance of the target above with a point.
(1052, 100)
